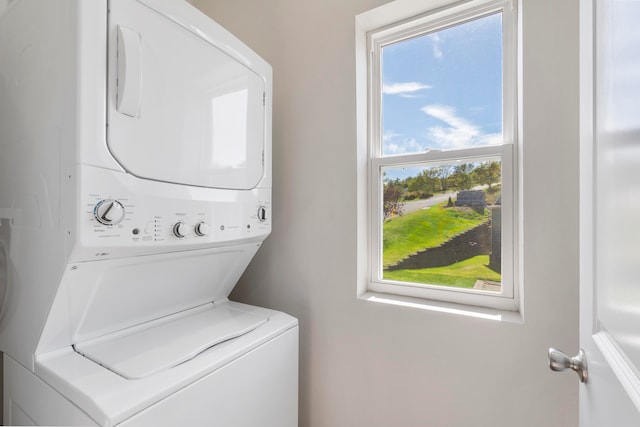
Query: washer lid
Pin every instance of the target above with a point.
(140, 352)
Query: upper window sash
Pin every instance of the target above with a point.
(430, 22)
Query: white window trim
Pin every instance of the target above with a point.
(392, 22)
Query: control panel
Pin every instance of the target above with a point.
(121, 215)
(121, 221)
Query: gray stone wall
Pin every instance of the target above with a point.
(495, 258)
(473, 242)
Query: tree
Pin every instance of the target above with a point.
(488, 173)
(415, 183)
(424, 183)
(443, 173)
(461, 177)
(495, 173)
(391, 198)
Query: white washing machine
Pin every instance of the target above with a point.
(135, 188)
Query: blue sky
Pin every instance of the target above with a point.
(444, 90)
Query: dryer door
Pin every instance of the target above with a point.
(185, 103)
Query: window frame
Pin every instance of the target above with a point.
(380, 32)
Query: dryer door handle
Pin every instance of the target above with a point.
(129, 71)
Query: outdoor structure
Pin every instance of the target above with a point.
(472, 198)
(495, 258)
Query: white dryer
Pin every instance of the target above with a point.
(135, 188)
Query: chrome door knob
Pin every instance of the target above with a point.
(559, 361)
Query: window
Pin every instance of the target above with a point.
(439, 178)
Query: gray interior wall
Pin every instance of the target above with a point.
(367, 364)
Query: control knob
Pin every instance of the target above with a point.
(109, 212)
(262, 213)
(180, 229)
(201, 228)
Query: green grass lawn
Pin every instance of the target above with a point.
(426, 228)
(462, 274)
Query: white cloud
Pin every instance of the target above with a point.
(396, 143)
(459, 132)
(491, 139)
(407, 89)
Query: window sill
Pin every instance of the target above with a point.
(444, 307)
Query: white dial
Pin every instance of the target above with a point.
(262, 213)
(202, 229)
(109, 212)
(180, 229)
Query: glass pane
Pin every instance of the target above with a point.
(443, 90)
(442, 225)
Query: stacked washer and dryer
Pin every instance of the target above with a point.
(135, 188)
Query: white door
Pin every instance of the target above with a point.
(610, 212)
(182, 109)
